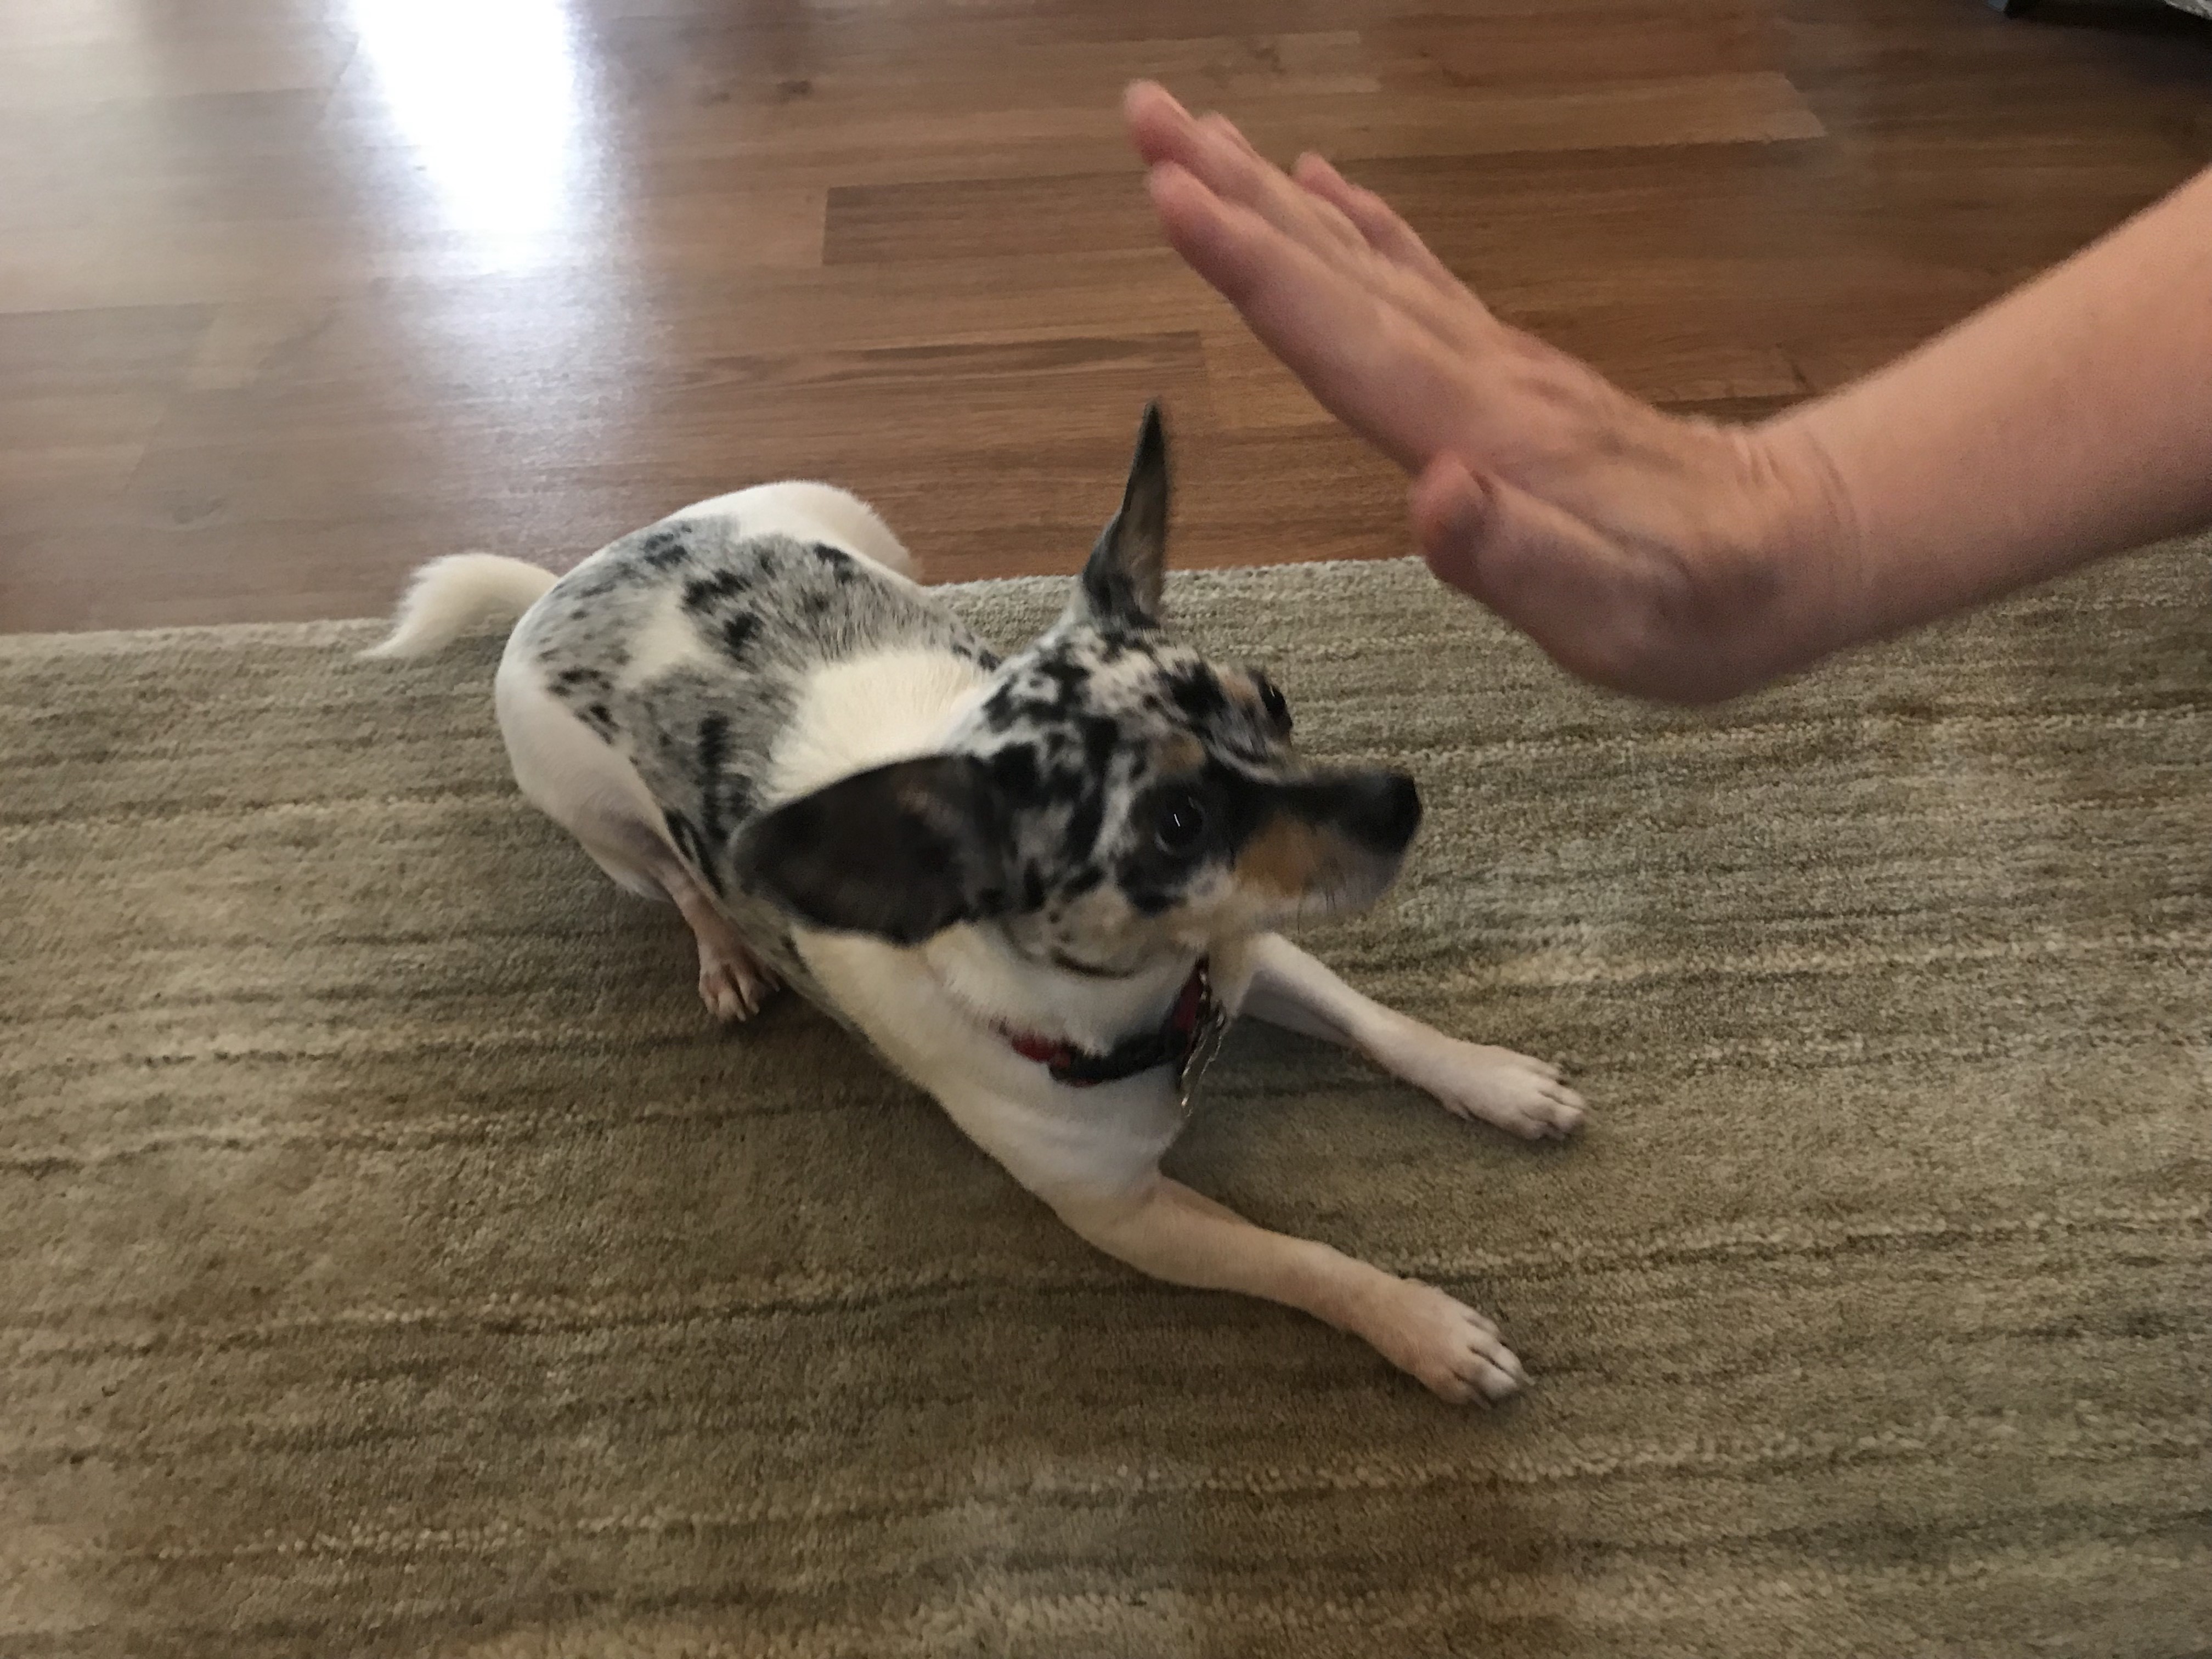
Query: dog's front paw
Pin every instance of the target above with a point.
(1452, 1349)
(1471, 1079)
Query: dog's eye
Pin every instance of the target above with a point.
(1276, 706)
(1181, 824)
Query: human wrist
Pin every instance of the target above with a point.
(1807, 529)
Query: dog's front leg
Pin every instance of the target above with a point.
(1290, 989)
(1166, 1230)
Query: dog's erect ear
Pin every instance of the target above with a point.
(901, 851)
(1121, 582)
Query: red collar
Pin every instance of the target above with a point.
(1169, 1044)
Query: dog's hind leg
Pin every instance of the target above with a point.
(595, 794)
(733, 982)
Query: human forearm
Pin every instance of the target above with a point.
(2070, 419)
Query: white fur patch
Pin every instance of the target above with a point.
(811, 513)
(869, 711)
(669, 640)
(582, 784)
(1057, 1141)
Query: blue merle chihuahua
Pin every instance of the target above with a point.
(1038, 886)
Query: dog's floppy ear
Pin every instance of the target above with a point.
(900, 852)
(1121, 582)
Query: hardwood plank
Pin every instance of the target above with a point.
(49, 23)
(86, 350)
(949, 73)
(711, 424)
(915, 219)
(298, 466)
(2000, 200)
(61, 172)
(999, 218)
(1250, 389)
(95, 420)
(81, 392)
(1023, 507)
(127, 263)
(51, 484)
(1051, 141)
(242, 343)
(1589, 44)
(56, 74)
(293, 295)
(759, 312)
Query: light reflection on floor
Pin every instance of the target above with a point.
(487, 94)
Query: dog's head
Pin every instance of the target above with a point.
(1115, 799)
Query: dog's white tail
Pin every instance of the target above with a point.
(450, 596)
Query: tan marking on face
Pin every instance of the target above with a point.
(1243, 690)
(1180, 753)
(1288, 858)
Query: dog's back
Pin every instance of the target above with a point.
(691, 674)
(735, 653)
(695, 648)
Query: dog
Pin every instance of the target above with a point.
(1038, 886)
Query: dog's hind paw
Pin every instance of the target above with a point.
(732, 984)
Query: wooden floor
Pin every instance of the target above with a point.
(295, 294)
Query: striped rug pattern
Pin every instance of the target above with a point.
(393, 1261)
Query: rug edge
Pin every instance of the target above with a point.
(340, 630)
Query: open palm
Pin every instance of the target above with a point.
(1641, 550)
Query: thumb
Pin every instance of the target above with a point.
(1538, 566)
(1451, 513)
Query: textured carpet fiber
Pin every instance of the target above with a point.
(392, 1259)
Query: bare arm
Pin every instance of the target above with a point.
(2071, 419)
(1682, 560)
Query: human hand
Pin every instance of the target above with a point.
(1671, 558)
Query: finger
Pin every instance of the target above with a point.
(1252, 261)
(1376, 221)
(1305, 214)
(1214, 151)
(1161, 128)
(1420, 284)
(1225, 160)
(1541, 569)
(1268, 188)
(1226, 130)
(1164, 131)
(1376, 369)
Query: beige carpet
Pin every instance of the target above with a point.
(392, 1261)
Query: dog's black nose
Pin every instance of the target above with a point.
(1382, 809)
